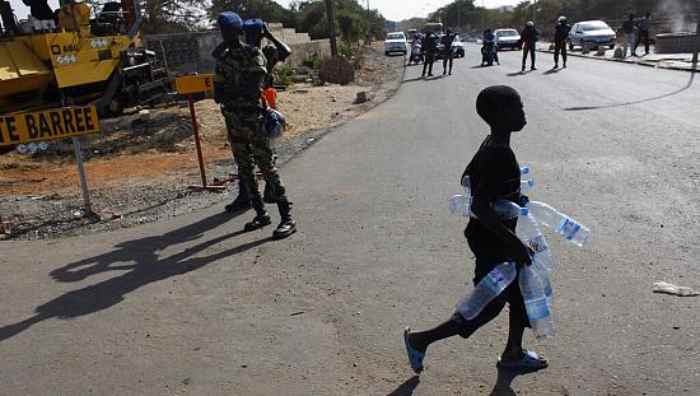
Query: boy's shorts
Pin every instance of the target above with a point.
(511, 295)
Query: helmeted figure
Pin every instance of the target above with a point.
(254, 31)
(239, 79)
(561, 34)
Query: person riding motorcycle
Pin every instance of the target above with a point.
(489, 51)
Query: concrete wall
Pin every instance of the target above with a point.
(191, 52)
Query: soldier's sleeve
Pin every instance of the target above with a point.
(258, 69)
(219, 80)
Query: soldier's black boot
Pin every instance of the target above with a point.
(262, 218)
(287, 226)
(242, 201)
(268, 194)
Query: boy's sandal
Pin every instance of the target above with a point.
(415, 357)
(529, 361)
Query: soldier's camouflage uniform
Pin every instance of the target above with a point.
(239, 79)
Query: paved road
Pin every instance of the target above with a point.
(192, 306)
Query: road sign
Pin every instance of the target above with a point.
(60, 123)
(187, 85)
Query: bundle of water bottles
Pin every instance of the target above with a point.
(533, 280)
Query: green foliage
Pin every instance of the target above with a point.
(313, 62)
(352, 20)
(346, 50)
(267, 10)
(283, 74)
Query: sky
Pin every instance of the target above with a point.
(394, 10)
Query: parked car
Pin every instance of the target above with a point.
(395, 42)
(507, 38)
(596, 33)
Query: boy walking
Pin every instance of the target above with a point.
(494, 174)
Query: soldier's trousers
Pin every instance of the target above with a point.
(250, 149)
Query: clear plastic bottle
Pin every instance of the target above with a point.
(507, 210)
(537, 304)
(529, 232)
(527, 185)
(560, 223)
(486, 290)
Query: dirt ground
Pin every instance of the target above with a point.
(140, 166)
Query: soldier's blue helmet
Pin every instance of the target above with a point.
(230, 20)
(253, 29)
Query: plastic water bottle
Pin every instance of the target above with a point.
(526, 185)
(487, 289)
(560, 223)
(537, 304)
(461, 205)
(528, 231)
(507, 210)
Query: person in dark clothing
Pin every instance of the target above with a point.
(643, 34)
(39, 9)
(629, 28)
(494, 174)
(429, 46)
(489, 51)
(447, 55)
(8, 18)
(561, 33)
(528, 38)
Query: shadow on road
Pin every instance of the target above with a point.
(407, 388)
(147, 268)
(552, 71)
(518, 73)
(634, 102)
(504, 380)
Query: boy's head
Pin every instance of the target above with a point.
(501, 107)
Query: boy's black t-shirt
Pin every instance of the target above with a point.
(493, 173)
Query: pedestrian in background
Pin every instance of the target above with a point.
(528, 39)
(447, 55)
(561, 33)
(629, 28)
(643, 33)
(429, 48)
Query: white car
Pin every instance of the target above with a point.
(595, 33)
(395, 42)
(507, 38)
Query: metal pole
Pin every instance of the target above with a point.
(81, 168)
(195, 129)
(81, 174)
(330, 10)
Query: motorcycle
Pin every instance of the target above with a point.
(489, 53)
(417, 56)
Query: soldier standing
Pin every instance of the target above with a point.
(255, 30)
(561, 33)
(529, 37)
(238, 83)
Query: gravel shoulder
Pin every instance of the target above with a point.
(140, 168)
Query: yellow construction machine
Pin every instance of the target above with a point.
(80, 61)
